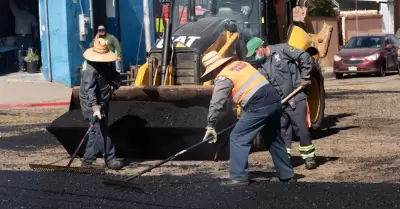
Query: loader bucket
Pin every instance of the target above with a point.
(149, 122)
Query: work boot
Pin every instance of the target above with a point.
(231, 182)
(114, 164)
(310, 163)
(22, 69)
(92, 164)
(279, 180)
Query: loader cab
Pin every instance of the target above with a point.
(254, 18)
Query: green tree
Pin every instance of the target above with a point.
(321, 8)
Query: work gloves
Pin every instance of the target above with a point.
(210, 132)
(96, 111)
(305, 82)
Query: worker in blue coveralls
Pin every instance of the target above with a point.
(286, 75)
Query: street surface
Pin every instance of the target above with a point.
(358, 150)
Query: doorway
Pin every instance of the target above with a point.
(12, 44)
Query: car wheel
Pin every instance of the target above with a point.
(398, 67)
(339, 75)
(382, 71)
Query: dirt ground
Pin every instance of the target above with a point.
(360, 141)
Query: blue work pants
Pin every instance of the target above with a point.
(264, 120)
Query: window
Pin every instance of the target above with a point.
(364, 42)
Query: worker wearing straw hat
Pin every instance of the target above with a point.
(239, 81)
(97, 78)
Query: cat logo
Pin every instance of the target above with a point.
(182, 41)
(291, 49)
(180, 45)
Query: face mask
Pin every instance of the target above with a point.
(259, 57)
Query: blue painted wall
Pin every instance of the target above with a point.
(43, 38)
(57, 11)
(131, 19)
(112, 17)
(65, 52)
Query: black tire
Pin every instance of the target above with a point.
(382, 71)
(339, 75)
(398, 67)
(316, 125)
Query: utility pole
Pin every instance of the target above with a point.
(146, 23)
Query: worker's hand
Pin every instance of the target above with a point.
(119, 58)
(305, 83)
(211, 133)
(96, 111)
(97, 35)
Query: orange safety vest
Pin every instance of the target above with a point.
(246, 81)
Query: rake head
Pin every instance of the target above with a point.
(65, 169)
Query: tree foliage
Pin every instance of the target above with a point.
(321, 8)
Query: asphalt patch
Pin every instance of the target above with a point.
(43, 190)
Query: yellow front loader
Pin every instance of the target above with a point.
(165, 110)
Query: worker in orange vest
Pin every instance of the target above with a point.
(279, 66)
(239, 81)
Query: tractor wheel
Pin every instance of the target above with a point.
(316, 100)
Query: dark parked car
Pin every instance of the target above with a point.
(372, 54)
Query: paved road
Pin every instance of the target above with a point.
(175, 189)
(47, 190)
(354, 82)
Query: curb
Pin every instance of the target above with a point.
(44, 104)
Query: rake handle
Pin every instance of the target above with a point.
(177, 154)
(200, 143)
(83, 140)
(292, 94)
(94, 120)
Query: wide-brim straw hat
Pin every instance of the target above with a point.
(212, 61)
(99, 52)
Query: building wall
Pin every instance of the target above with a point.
(65, 46)
(366, 25)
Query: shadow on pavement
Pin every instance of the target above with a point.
(58, 190)
(349, 76)
(350, 94)
(330, 131)
(329, 124)
(28, 141)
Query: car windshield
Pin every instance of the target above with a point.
(364, 42)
